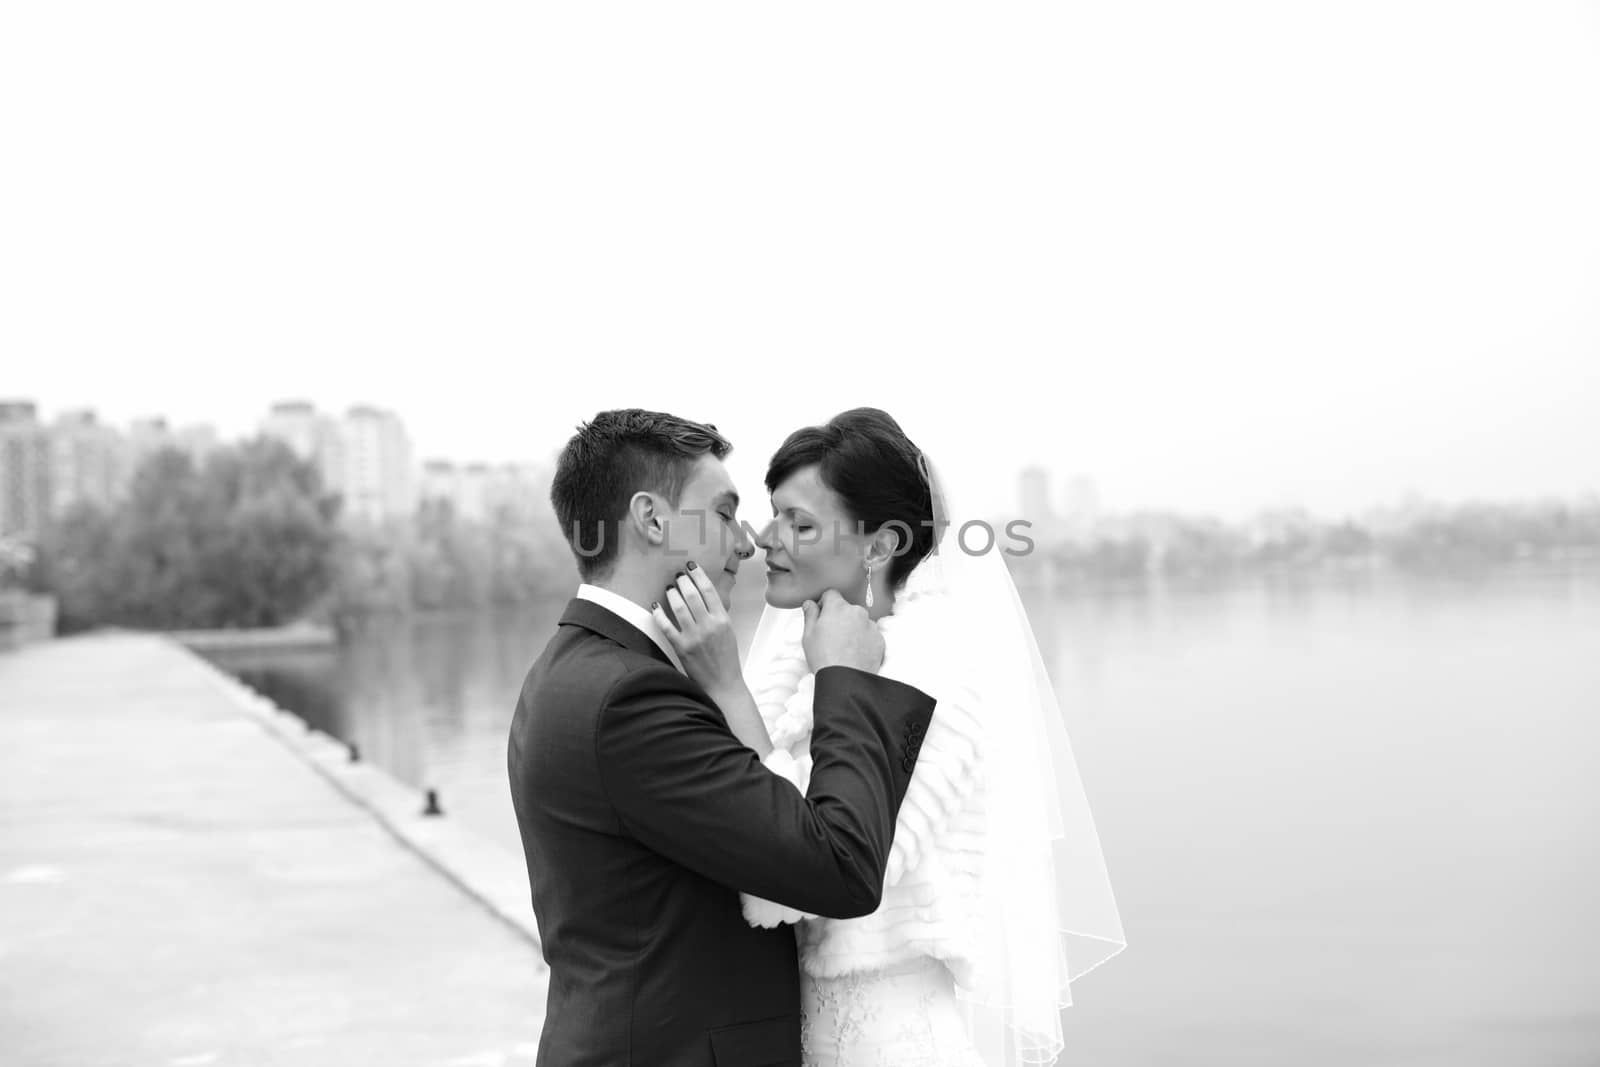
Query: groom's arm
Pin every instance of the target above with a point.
(686, 788)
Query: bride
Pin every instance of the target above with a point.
(996, 896)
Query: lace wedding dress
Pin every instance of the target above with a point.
(901, 1016)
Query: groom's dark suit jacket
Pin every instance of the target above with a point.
(642, 817)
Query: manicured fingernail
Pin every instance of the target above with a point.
(690, 564)
(656, 606)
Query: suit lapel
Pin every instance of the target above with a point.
(596, 619)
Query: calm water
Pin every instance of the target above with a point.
(1347, 824)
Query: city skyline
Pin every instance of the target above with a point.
(371, 448)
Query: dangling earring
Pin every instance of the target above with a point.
(869, 587)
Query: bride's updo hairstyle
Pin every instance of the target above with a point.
(864, 457)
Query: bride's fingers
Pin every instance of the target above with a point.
(691, 597)
(674, 638)
(708, 592)
(680, 610)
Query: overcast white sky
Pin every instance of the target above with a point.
(1216, 256)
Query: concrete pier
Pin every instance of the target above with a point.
(179, 886)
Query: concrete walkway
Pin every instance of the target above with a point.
(178, 886)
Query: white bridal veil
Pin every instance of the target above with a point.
(1047, 911)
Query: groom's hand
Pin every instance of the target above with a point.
(839, 634)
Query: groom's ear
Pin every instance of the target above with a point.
(647, 518)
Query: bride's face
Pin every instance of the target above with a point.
(812, 544)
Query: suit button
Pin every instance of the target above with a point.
(909, 763)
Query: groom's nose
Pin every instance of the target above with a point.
(744, 548)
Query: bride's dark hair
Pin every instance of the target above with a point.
(866, 458)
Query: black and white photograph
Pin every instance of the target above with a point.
(878, 535)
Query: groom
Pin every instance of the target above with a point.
(643, 817)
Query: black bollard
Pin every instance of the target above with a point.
(433, 804)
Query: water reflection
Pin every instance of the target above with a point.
(1348, 821)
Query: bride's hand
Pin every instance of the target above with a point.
(703, 635)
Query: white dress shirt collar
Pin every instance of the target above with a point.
(629, 612)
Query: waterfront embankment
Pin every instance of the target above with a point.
(190, 877)
(296, 636)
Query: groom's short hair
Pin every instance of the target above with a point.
(613, 456)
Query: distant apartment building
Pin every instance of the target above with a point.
(480, 492)
(314, 437)
(146, 436)
(89, 462)
(467, 488)
(457, 487)
(379, 480)
(365, 457)
(1034, 495)
(437, 483)
(522, 491)
(77, 458)
(25, 495)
